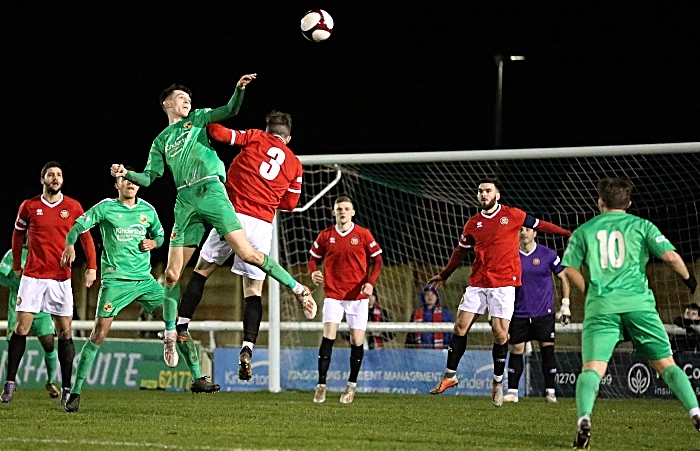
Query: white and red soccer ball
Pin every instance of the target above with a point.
(317, 25)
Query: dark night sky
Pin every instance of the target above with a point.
(81, 84)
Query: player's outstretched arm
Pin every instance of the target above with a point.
(674, 260)
(220, 133)
(544, 226)
(233, 105)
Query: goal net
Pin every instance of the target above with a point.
(416, 206)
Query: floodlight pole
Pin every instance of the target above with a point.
(499, 59)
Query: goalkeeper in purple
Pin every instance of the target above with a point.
(615, 247)
(533, 317)
(201, 199)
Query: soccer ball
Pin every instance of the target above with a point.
(317, 25)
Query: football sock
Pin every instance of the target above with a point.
(51, 359)
(15, 351)
(515, 370)
(170, 297)
(192, 295)
(274, 270)
(455, 351)
(499, 354)
(678, 382)
(356, 355)
(586, 392)
(188, 350)
(66, 354)
(252, 315)
(87, 356)
(324, 358)
(549, 366)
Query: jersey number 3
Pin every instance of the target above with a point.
(270, 170)
(612, 249)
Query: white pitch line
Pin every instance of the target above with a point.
(132, 444)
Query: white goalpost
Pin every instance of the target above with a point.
(416, 204)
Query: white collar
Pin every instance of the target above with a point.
(52, 205)
(495, 212)
(347, 231)
(529, 253)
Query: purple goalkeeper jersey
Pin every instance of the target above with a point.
(535, 297)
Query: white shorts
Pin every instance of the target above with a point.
(45, 295)
(259, 233)
(356, 312)
(499, 301)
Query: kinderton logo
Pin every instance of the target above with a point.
(638, 378)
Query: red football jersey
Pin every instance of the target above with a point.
(496, 242)
(261, 174)
(47, 226)
(345, 260)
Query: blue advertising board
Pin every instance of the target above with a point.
(409, 371)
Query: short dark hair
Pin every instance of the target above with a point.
(492, 180)
(50, 164)
(170, 89)
(693, 306)
(343, 199)
(615, 192)
(279, 123)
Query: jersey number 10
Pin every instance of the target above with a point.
(612, 249)
(270, 170)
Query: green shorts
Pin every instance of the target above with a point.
(42, 324)
(115, 294)
(203, 203)
(644, 329)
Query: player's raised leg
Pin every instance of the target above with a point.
(456, 349)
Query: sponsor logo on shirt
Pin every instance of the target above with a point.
(39, 212)
(503, 220)
(64, 214)
(354, 240)
(536, 262)
(133, 232)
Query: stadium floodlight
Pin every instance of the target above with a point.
(498, 138)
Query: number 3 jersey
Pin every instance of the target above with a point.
(615, 246)
(262, 174)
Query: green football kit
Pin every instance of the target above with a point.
(619, 304)
(183, 147)
(125, 270)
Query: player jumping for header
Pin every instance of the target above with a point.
(201, 199)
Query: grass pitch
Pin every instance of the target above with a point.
(133, 420)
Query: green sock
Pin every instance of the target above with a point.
(274, 270)
(586, 392)
(188, 349)
(677, 381)
(171, 296)
(87, 356)
(50, 359)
